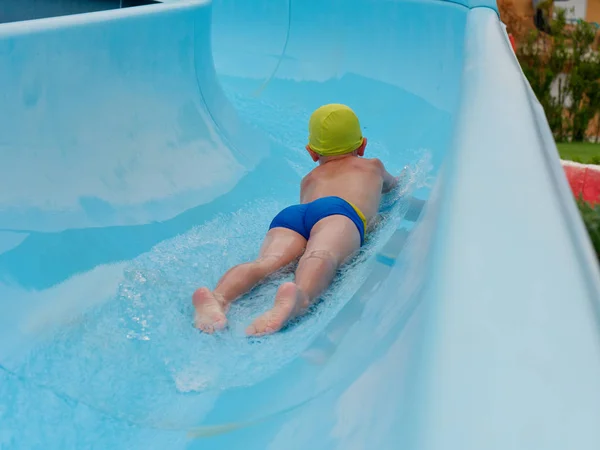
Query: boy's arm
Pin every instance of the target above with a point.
(389, 181)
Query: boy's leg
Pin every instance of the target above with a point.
(332, 240)
(280, 247)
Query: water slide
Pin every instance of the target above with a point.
(143, 151)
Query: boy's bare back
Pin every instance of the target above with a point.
(357, 180)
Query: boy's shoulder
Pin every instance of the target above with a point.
(378, 165)
(374, 164)
(374, 161)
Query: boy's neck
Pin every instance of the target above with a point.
(326, 159)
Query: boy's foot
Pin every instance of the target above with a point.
(289, 302)
(210, 312)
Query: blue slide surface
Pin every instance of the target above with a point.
(144, 151)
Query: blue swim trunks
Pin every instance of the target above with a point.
(302, 218)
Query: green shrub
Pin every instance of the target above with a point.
(576, 159)
(595, 159)
(591, 218)
(564, 57)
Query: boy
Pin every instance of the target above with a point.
(337, 200)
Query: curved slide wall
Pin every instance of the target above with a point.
(131, 173)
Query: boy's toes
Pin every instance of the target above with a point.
(266, 324)
(210, 326)
(283, 310)
(210, 323)
(205, 327)
(210, 316)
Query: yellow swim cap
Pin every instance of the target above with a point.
(334, 130)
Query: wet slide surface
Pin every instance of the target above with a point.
(144, 151)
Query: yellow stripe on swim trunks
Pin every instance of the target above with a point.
(360, 214)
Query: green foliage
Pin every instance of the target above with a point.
(566, 59)
(591, 218)
(583, 80)
(595, 160)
